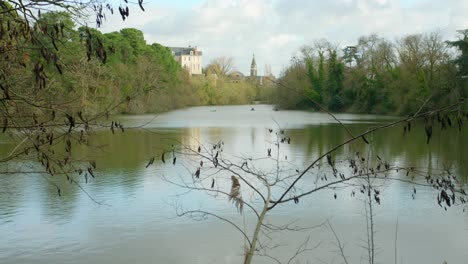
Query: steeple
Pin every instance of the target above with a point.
(253, 67)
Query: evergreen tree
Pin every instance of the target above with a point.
(334, 82)
(462, 61)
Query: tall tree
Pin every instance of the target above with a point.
(221, 66)
(334, 82)
(462, 61)
(380, 71)
(315, 90)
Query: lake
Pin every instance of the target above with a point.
(136, 219)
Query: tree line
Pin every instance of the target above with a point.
(90, 69)
(377, 75)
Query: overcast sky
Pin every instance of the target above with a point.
(274, 29)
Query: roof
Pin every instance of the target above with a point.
(184, 51)
(236, 75)
(253, 62)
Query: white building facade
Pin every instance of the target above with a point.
(189, 58)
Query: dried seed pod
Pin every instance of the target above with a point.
(150, 162)
(5, 125)
(428, 129)
(90, 170)
(365, 140)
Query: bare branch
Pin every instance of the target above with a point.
(340, 246)
(204, 213)
(391, 124)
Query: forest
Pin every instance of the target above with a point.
(90, 70)
(377, 75)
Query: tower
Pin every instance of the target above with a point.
(253, 67)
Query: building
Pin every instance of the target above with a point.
(260, 80)
(189, 58)
(253, 68)
(236, 77)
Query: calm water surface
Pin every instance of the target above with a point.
(136, 222)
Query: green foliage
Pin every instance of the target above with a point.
(334, 83)
(321, 73)
(379, 76)
(131, 67)
(316, 89)
(462, 61)
(218, 91)
(462, 46)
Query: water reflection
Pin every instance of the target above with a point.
(38, 226)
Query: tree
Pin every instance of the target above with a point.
(335, 82)
(315, 91)
(370, 76)
(257, 184)
(321, 73)
(221, 66)
(136, 40)
(435, 50)
(296, 97)
(44, 112)
(462, 61)
(378, 73)
(350, 55)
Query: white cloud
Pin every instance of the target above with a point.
(275, 29)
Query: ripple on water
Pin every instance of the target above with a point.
(136, 222)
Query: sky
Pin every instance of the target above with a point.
(274, 30)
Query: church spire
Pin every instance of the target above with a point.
(253, 67)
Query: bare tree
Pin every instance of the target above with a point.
(435, 51)
(410, 51)
(222, 66)
(256, 188)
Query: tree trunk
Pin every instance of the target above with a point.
(250, 254)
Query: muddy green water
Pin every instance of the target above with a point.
(137, 222)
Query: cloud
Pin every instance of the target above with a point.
(275, 29)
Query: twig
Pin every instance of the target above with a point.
(219, 217)
(396, 241)
(340, 247)
(391, 124)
